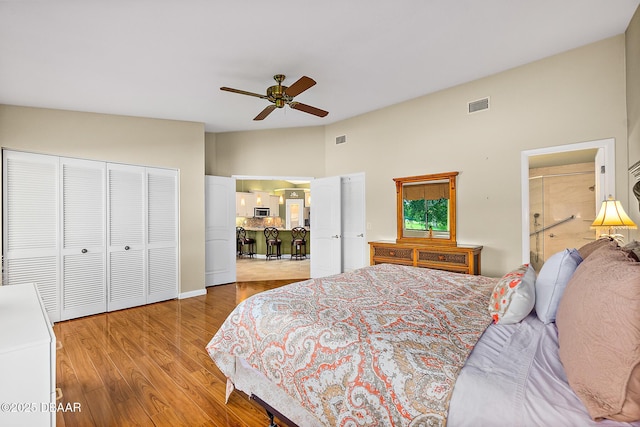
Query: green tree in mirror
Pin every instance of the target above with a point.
(426, 209)
(423, 214)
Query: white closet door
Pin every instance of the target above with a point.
(30, 224)
(83, 238)
(162, 234)
(126, 242)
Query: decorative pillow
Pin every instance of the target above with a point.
(590, 247)
(551, 281)
(633, 249)
(514, 296)
(598, 324)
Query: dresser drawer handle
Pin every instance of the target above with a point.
(392, 253)
(441, 258)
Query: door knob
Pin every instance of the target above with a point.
(360, 235)
(84, 251)
(335, 237)
(126, 248)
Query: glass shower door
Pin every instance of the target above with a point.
(562, 208)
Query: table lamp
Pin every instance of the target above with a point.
(612, 216)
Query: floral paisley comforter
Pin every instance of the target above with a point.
(382, 345)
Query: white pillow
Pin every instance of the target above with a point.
(514, 296)
(552, 279)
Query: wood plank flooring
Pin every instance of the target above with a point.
(147, 366)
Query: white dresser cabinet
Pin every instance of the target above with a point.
(27, 359)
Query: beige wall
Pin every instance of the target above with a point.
(573, 97)
(280, 152)
(148, 142)
(633, 107)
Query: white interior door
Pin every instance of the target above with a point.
(354, 242)
(84, 288)
(30, 225)
(126, 231)
(220, 230)
(326, 247)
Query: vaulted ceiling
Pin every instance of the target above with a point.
(168, 59)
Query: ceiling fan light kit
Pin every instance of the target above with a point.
(280, 95)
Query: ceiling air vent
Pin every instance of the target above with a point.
(479, 105)
(341, 139)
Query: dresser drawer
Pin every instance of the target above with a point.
(393, 254)
(459, 259)
(439, 257)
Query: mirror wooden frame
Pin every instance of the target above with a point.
(412, 180)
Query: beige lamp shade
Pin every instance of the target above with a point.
(612, 216)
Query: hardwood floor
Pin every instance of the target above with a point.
(148, 365)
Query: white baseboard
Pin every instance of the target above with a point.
(190, 294)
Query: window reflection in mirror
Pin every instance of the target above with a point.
(426, 208)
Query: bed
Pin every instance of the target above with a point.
(392, 345)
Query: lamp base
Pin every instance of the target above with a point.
(617, 237)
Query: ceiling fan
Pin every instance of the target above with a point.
(280, 96)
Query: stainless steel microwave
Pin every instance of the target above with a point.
(261, 212)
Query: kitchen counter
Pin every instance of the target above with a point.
(283, 234)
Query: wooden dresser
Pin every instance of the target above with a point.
(459, 258)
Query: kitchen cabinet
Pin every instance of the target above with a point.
(262, 199)
(245, 202)
(274, 205)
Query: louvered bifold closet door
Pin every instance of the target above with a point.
(162, 234)
(126, 236)
(30, 225)
(83, 238)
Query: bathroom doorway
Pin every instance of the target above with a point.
(561, 205)
(562, 189)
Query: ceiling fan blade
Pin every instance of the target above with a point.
(302, 84)
(243, 92)
(264, 113)
(308, 109)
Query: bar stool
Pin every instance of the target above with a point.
(298, 243)
(242, 240)
(273, 242)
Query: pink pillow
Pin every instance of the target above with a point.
(598, 324)
(514, 296)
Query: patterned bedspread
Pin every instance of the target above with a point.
(379, 346)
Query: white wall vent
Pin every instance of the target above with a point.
(341, 139)
(479, 105)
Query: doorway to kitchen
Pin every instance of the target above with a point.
(289, 207)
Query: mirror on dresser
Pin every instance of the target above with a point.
(426, 221)
(426, 209)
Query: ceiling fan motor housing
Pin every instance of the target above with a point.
(276, 94)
